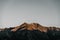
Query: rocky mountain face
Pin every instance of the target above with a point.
(32, 31)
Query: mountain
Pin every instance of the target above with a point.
(32, 31)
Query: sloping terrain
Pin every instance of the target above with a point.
(33, 31)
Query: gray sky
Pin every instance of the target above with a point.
(15, 12)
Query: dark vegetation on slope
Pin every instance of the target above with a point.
(22, 33)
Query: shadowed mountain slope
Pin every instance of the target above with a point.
(32, 31)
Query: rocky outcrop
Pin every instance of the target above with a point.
(34, 26)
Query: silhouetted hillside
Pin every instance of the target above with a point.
(33, 31)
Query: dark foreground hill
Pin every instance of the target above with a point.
(32, 31)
